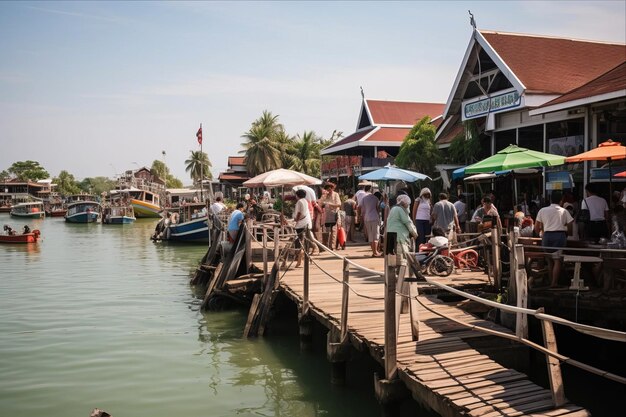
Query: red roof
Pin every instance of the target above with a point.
(236, 160)
(389, 134)
(352, 138)
(236, 177)
(401, 112)
(609, 82)
(554, 65)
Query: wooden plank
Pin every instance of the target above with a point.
(554, 365)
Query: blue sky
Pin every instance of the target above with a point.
(96, 88)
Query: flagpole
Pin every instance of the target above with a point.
(201, 167)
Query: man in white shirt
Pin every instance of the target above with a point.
(302, 218)
(598, 214)
(461, 211)
(218, 206)
(555, 222)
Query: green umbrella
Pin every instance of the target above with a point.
(514, 157)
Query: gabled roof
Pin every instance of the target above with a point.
(548, 65)
(236, 160)
(233, 176)
(609, 85)
(401, 112)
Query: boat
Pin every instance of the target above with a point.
(118, 214)
(10, 236)
(55, 208)
(83, 211)
(32, 210)
(190, 224)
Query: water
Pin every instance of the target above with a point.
(99, 316)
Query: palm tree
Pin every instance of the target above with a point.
(198, 165)
(262, 148)
(306, 154)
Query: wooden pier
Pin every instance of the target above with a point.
(446, 358)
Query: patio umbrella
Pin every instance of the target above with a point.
(513, 157)
(606, 151)
(281, 177)
(393, 173)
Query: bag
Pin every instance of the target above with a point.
(330, 217)
(584, 216)
(341, 236)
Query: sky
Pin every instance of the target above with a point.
(97, 88)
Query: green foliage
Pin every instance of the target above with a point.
(66, 183)
(162, 171)
(28, 171)
(198, 166)
(305, 152)
(97, 185)
(418, 151)
(464, 148)
(4, 176)
(262, 147)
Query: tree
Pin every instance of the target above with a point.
(198, 166)
(162, 171)
(4, 176)
(28, 171)
(97, 185)
(418, 152)
(464, 147)
(306, 153)
(66, 183)
(262, 146)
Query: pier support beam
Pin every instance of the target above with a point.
(305, 326)
(338, 353)
(390, 393)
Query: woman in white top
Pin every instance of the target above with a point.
(421, 213)
(302, 217)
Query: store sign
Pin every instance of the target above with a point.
(494, 104)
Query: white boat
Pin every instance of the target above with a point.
(32, 210)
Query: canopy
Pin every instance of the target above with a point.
(490, 175)
(513, 157)
(393, 173)
(281, 177)
(606, 151)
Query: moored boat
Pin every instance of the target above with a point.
(190, 224)
(56, 210)
(32, 210)
(10, 236)
(83, 212)
(116, 214)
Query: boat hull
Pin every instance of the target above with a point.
(38, 215)
(118, 220)
(56, 213)
(196, 230)
(23, 238)
(144, 209)
(83, 217)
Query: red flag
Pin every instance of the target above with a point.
(199, 135)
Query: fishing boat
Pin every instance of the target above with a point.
(190, 224)
(118, 214)
(32, 210)
(83, 211)
(10, 236)
(145, 203)
(55, 208)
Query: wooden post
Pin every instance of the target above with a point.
(248, 243)
(391, 366)
(305, 292)
(413, 310)
(276, 243)
(554, 365)
(345, 297)
(521, 286)
(495, 251)
(399, 297)
(264, 254)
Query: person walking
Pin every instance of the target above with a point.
(444, 214)
(461, 211)
(331, 202)
(302, 218)
(400, 223)
(371, 218)
(349, 207)
(421, 214)
(599, 219)
(555, 223)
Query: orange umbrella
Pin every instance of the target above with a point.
(606, 151)
(620, 174)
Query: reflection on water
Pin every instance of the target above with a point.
(100, 316)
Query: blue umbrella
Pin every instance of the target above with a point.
(391, 173)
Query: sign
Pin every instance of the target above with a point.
(494, 104)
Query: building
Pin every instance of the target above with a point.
(12, 191)
(555, 95)
(231, 180)
(381, 128)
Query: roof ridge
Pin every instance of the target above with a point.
(529, 35)
(404, 101)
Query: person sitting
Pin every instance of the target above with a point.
(486, 215)
(26, 229)
(235, 221)
(437, 241)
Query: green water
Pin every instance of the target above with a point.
(99, 316)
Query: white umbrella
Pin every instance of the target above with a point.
(310, 193)
(281, 177)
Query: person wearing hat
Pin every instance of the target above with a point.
(421, 213)
(400, 223)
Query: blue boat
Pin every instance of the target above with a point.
(190, 224)
(113, 214)
(83, 212)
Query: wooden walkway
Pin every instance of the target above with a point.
(441, 370)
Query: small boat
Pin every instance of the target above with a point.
(33, 210)
(190, 224)
(116, 214)
(10, 236)
(83, 212)
(55, 208)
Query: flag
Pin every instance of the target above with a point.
(199, 135)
